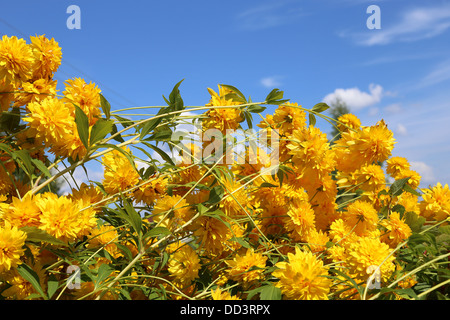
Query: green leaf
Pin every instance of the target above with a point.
(396, 188)
(156, 232)
(176, 103)
(99, 130)
(135, 218)
(31, 276)
(35, 234)
(118, 137)
(163, 155)
(274, 96)
(256, 108)
(312, 119)
(106, 107)
(82, 122)
(215, 195)
(241, 241)
(409, 189)
(52, 285)
(414, 221)
(270, 292)
(320, 107)
(235, 90)
(104, 271)
(25, 160)
(42, 167)
(150, 126)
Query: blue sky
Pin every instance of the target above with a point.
(313, 50)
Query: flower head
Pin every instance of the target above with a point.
(16, 60)
(246, 268)
(303, 277)
(12, 241)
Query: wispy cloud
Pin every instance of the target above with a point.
(269, 15)
(425, 171)
(355, 98)
(437, 75)
(271, 82)
(413, 25)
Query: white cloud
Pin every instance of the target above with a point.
(424, 170)
(393, 108)
(401, 130)
(355, 98)
(413, 25)
(439, 74)
(271, 82)
(268, 15)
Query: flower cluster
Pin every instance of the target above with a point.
(319, 225)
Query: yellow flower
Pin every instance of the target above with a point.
(64, 218)
(22, 212)
(397, 230)
(16, 60)
(361, 216)
(300, 220)
(88, 194)
(12, 241)
(368, 252)
(119, 173)
(152, 190)
(363, 146)
(86, 96)
(211, 233)
(35, 91)
(219, 294)
(20, 288)
(6, 99)
(222, 118)
(289, 117)
(395, 165)
(107, 236)
(50, 120)
(172, 211)
(246, 268)
(348, 121)
(311, 154)
(48, 56)
(234, 197)
(303, 277)
(316, 240)
(436, 202)
(184, 265)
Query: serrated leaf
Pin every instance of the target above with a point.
(82, 122)
(396, 188)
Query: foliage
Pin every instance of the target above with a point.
(285, 216)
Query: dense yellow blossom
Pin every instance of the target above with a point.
(303, 277)
(12, 241)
